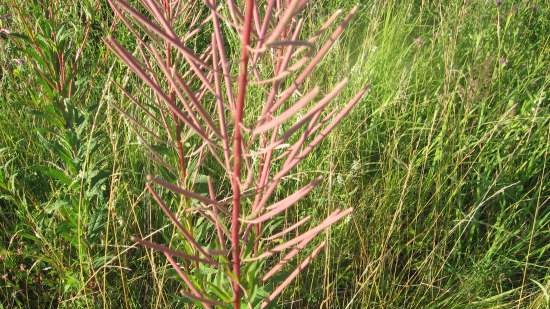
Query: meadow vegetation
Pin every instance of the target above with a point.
(445, 161)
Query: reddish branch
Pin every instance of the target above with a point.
(168, 54)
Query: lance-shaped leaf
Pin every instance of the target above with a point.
(291, 10)
(176, 82)
(220, 49)
(288, 229)
(189, 194)
(318, 107)
(307, 118)
(195, 294)
(292, 276)
(259, 203)
(186, 234)
(325, 25)
(220, 104)
(312, 126)
(314, 61)
(290, 112)
(173, 88)
(172, 39)
(291, 164)
(284, 204)
(287, 258)
(334, 217)
(166, 250)
(279, 69)
(136, 68)
(256, 17)
(265, 23)
(284, 73)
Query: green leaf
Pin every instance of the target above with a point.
(55, 206)
(55, 173)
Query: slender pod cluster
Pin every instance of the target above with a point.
(202, 99)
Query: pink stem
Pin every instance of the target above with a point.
(237, 151)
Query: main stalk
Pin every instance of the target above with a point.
(237, 151)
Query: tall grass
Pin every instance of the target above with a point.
(445, 163)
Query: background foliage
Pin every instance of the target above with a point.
(445, 161)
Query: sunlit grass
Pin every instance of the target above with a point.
(445, 162)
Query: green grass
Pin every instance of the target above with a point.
(445, 161)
